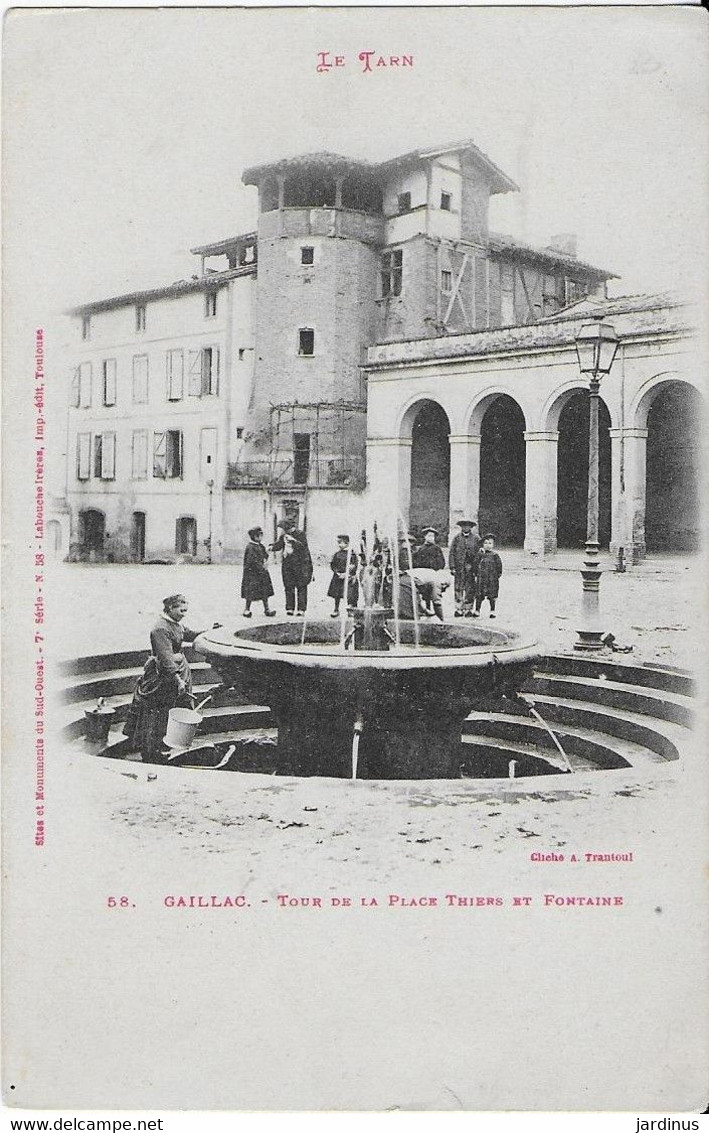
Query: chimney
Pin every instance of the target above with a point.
(565, 243)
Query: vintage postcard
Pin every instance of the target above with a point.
(355, 620)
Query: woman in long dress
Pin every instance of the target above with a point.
(166, 682)
(256, 585)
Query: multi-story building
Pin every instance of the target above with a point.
(241, 395)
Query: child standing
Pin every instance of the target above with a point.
(489, 569)
(256, 585)
(339, 568)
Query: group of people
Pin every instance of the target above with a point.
(476, 568)
(473, 561)
(411, 578)
(296, 570)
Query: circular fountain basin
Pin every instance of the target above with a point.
(401, 709)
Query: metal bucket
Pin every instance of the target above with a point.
(98, 723)
(182, 727)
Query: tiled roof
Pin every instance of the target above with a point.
(169, 291)
(218, 246)
(500, 182)
(502, 243)
(322, 160)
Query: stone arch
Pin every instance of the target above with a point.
(669, 410)
(410, 410)
(650, 390)
(559, 399)
(479, 407)
(427, 424)
(567, 415)
(501, 422)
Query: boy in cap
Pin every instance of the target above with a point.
(489, 569)
(341, 569)
(461, 557)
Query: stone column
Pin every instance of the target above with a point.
(338, 191)
(465, 478)
(628, 460)
(389, 479)
(540, 492)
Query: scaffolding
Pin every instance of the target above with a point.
(314, 444)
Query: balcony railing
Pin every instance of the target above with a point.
(323, 472)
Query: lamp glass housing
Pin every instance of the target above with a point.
(596, 346)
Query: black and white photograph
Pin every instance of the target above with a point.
(354, 418)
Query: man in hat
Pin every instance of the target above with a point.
(296, 567)
(463, 552)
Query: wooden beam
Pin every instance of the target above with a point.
(455, 294)
(439, 280)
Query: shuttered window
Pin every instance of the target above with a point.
(105, 456)
(139, 468)
(98, 449)
(194, 373)
(109, 381)
(108, 456)
(75, 388)
(85, 376)
(392, 272)
(175, 374)
(83, 456)
(140, 379)
(167, 455)
(210, 370)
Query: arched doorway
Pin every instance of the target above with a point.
(430, 469)
(92, 532)
(672, 513)
(572, 472)
(186, 535)
(137, 536)
(502, 472)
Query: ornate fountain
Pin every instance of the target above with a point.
(376, 693)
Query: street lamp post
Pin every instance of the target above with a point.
(596, 346)
(210, 485)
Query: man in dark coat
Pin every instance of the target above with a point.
(296, 567)
(489, 569)
(461, 557)
(256, 585)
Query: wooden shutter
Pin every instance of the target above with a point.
(109, 381)
(194, 370)
(214, 372)
(83, 456)
(140, 454)
(108, 456)
(160, 455)
(75, 388)
(175, 374)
